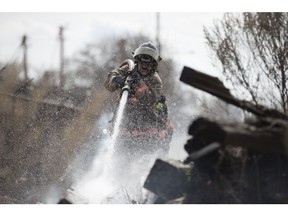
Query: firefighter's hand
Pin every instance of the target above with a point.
(120, 81)
(135, 74)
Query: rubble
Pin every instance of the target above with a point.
(168, 179)
(243, 163)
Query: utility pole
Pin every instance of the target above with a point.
(61, 38)
(158, 31)
(25, 65)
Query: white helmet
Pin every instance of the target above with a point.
(147, 49)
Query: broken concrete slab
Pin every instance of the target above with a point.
(168, 179)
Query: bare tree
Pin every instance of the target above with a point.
(252, 49)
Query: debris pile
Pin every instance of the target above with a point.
(243, 163)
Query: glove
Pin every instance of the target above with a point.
(120, 81)
(135, 74)
(133, 78)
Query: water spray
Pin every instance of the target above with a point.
(103, 186)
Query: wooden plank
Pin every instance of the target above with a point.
(214, 86)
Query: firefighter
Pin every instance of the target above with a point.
(145, 127)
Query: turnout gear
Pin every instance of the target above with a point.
(145, 123)
(145, 90)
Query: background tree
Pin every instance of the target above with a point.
(252, 49)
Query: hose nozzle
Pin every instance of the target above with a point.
(127, 84)
(126, 87)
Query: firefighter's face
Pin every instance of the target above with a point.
(145, 68)
(146, 64)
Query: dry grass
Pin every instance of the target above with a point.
(39, 140)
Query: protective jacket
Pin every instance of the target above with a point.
(145, 114)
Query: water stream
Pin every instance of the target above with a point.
(118, 119)
(97, 184)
